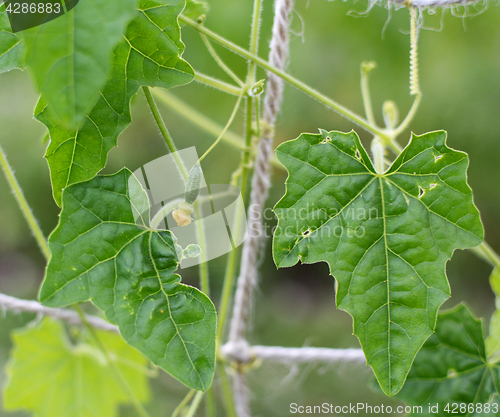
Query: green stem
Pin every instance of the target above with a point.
(248, 147)
(232, 259)
(203, 122)
(414, 82)
(195, 404)
(257, 117)
(163, 212)
(487, 253)
(164, 131)
(391, 143)
(203, 267)
(221, 63)
(254, 40)
(210, 409)
(218, 84)
(359, 120)
(118, 374)
(197, 118)
(229, 122)
(23, 205)
(366, 68)
(183, 403)
(378, 155)
(227, 290)
(411, 114)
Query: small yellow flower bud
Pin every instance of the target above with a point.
(182, 215)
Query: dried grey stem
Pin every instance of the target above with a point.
(244, 353)
(237, 352)
(307, 354)
(240, 393)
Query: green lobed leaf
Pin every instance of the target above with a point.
(70, 57)
(11, 45)
(128, 271)
(150, 55)
(386, 238)
(452, 368)
(51, 376)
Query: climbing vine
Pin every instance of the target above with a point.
(386, 220)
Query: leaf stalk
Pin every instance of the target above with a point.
(357, 119)
(23, 205)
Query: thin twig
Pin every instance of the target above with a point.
(228, 124)
(218, 84)
(28, 306)
(183, 404)
(165, 133)
(221, 63)
(195, 404)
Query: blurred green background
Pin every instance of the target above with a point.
(459, 70)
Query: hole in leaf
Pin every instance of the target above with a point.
(421, 191)
(306, 233)
(437, 157)
(357, 154)
(432, 186)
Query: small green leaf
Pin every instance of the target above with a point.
(452, 368)
(128, 271)
(386, 238)
(70, 56)
(150, 55)
(51, 377)
(11, 45)
(191, 251)
(195, 9)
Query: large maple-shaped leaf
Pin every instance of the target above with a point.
(128, 271)
(452, 370)
(51, 376)
(70, 56)
(11, 45)
(149, 55)
(386, 237)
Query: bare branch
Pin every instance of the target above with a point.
(244, 353)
